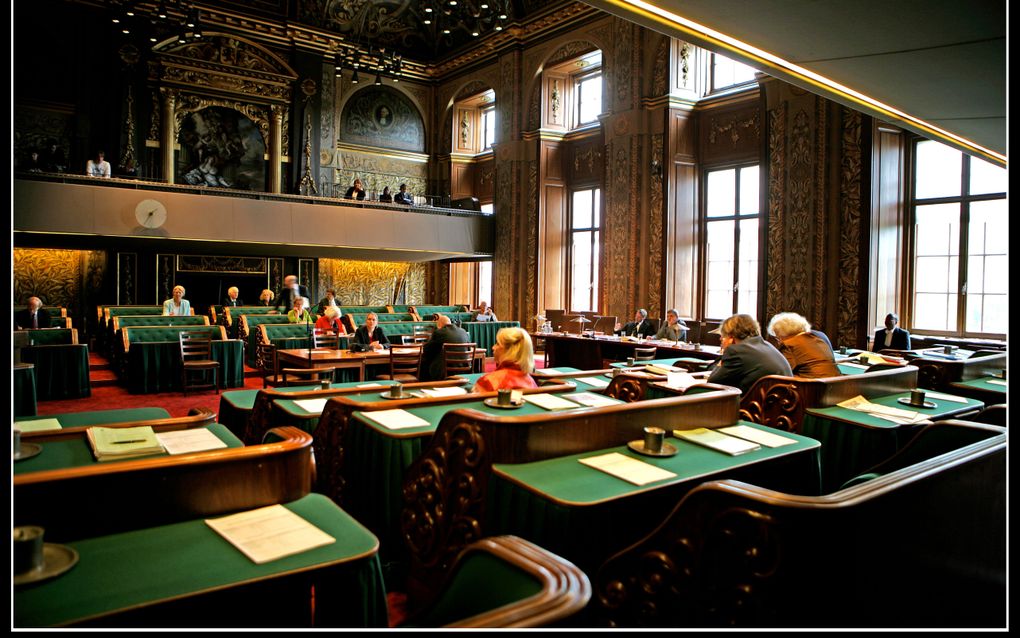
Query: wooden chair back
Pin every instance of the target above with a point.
(644, 354)
(325, 339)
(405, 362)
(305, 376)
(458, 358)
(196, 357)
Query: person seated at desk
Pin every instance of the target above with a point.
(370, 336)
(330, 320)
(178, 306)
(674, 329)
(386, 197)
(356, 191)
(299, 313)
(432, 366)
(329, 301)
(484, 313)
(232, 299)
(403, 197)
(515, 361)
(98, 167)
(640, 327)
(746, 357)
(891, 337)
(32, 317)
(266, 297)
(809, 355)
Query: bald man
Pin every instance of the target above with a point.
(432, 368)
(32, 317)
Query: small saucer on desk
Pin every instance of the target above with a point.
(639, 447)
(28, 450)
(57, 559)
(404, 395)
(926, 404)
(493, 402)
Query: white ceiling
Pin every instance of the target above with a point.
(942, 62)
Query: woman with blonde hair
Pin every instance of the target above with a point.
(266, 297)
(810, 357)
(515, 360)
(178, 306)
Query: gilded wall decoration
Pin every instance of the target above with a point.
(731, 127)
(684, 66)
(154, 117)
(775, 297)
(656, 241)
(275, 273)
(383, 117)
(529, 306)
(586, 158)
(376, 171)
(127, 279)
(226, 51)
(820, 203)
(72, 279)
(165, 277)
(851, 167)
(327, 117)
(220, 264)
(799, 222)
(622, 78)
(472, 88)
(660, 70)
(507, 108)
(372, 283)
(503, 274)
(221, 148)
(128, 162)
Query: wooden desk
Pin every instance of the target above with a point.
(186, 575)
(100, 417)
(588, 353)
(345, 359)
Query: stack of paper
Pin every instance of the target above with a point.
(269, 533)
(593, 400)
(595, 382)
(191, 440)
(396, 419)
(681, 380)
(312, 406)
(549, 401)
(627, 468)
(114, 444)
(758, 436)
(896, 415)
(37, 425)
(661, 369)
(717, 441)
(443, 392)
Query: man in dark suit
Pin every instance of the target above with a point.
(891, 338)
(746, 357)
(432, 368)
(232, 299)
(640, 327)
(32, 317)
(291, 290)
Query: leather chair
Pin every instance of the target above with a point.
(405, 364)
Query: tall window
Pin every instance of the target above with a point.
(731, 231)
(488, 127)
(484, 283)
(588, 89)
(961, 238)
(585, 226)
(727, 73)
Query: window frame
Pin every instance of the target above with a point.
(964, 199)
(576, 80)
(713, 89)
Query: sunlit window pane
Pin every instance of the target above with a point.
(589, 98)
(938, 229)
(726, 72)
(721, 193)
(582, 209)
(485, 281)
(932, 311)
(938, 170)
(749, 190)
(988, 233)
(986, 177)
(488, 209)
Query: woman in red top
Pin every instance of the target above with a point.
(515, 360)
(330, 321)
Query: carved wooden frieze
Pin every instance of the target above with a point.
(851, 298)
(775, 258)
(656, 240)
(800, 266)
(219, 264)
(529, 306)
(731, 128)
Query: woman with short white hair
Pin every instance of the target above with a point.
(809, 355)
(177, 306)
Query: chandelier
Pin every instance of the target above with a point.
(155, 21)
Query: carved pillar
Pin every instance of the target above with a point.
(275, 148)
(169, 133)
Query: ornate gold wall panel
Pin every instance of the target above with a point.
(69, 278)
(372, 283)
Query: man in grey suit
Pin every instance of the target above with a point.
(746, 357)
(432, 368)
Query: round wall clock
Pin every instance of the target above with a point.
(150, 213)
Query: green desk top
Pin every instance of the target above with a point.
(245, 399)
(943, 409)
(434, 414)
(76, 452)
(133, 569)
(851, 367)
(566, 481)
(984, 383)
(668, 361)
(557, 370)
(97, 417)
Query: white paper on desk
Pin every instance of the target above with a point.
(396, 419)
(681, 380)
(627, 468)
(369, 385)
(854, 365)
(311, 406)
(996, 382)
(757, 436)
(594, 382)
(443, 392)
(593, 400)
(549, 401)
(41, 425)
(192, 440)
(717, 441)
(896, 415)
(943, 397)
(269, 533)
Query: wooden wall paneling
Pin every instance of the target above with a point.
(462, 178)
(553, 233)
(886, 228)
(484, 180)
(682, 231)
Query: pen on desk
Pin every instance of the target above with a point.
(130, 441)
